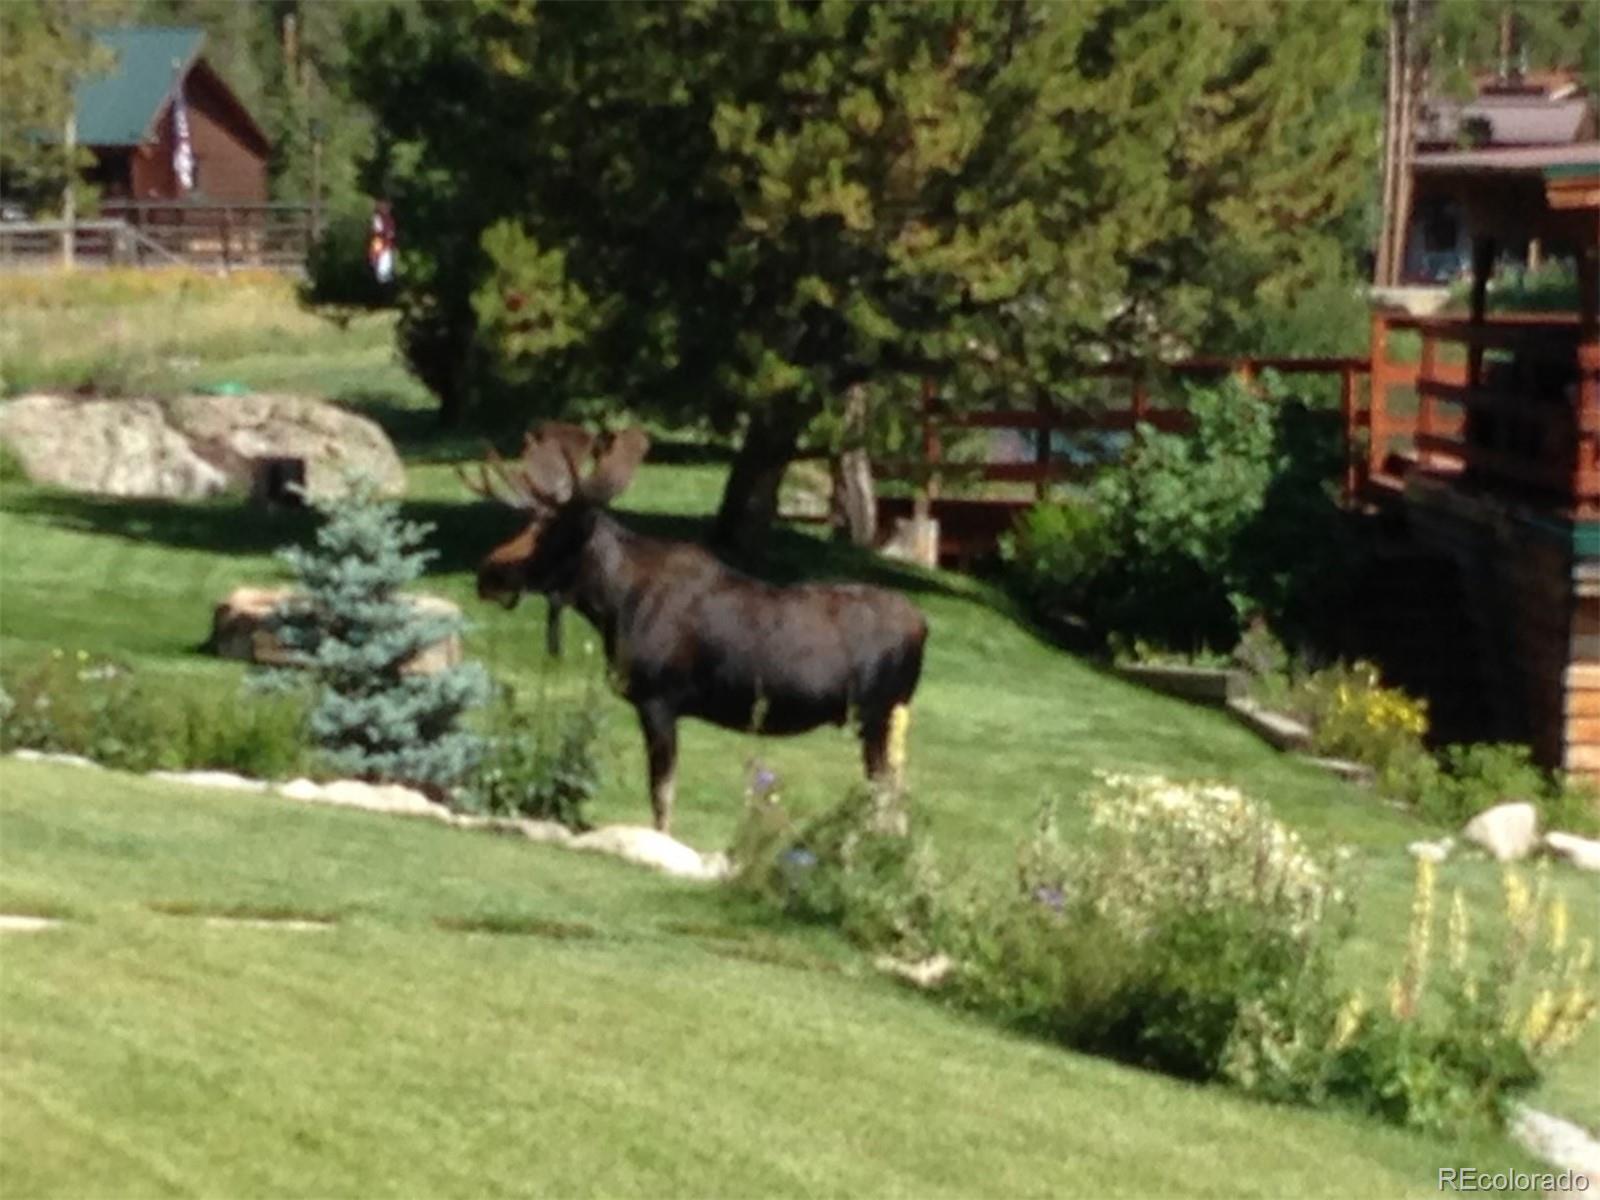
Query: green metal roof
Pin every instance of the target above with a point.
(119, 107)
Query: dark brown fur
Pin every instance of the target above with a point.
(687, 636)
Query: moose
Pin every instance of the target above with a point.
(684, 634)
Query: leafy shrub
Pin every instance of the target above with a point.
(352, 634)
(1472, 778)
(99, 708)
(858, 865)
(1187, 537)
(1454, 1045)
(539, 762)
(1145, 939)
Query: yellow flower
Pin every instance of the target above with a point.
(1516, 896)
(1539, 1017)
(1458, 932)
(899, 725)
(1558, 925)
(1349, 1020)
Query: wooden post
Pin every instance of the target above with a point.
(1347, 408)
(69, 194)
(1586, 418)
(227, 225)
(1426, 404)
(1378, 400)
(1482, 268)
(928, 488)
(1041, 449)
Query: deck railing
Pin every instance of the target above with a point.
(1509, 405)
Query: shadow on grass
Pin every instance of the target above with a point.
(463, 534)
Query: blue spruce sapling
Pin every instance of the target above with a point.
(352, 632)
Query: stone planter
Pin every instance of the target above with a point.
(1206, 685)
(239, 629)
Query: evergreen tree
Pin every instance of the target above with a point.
(354, 632)
(735, 213)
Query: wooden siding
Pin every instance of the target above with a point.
(230, 166)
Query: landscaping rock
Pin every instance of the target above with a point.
(192, 447)
(648, 848)
(1562, 1144)
(213, 779)
(60, 760)
(523, 827)
(1344, 768)
(929, 973)
(373, 797)
(1207, 685)
(239, 629)
(18, 923)
(1280, 731)
(1507, 831)
(1581, 852)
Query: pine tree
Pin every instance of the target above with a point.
(354, 632)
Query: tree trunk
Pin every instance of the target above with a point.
(855, 501)
(750, 499)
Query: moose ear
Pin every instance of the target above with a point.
(615, 465)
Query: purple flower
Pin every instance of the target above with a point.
(763, 782)
(800, 858)
(1051, 897)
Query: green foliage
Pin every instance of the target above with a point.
(736, 212)
(1456, 1041)
(1191, 534)
(856, 865)
(339, 279)
(353, 634)
(101, 709)
(541, 761)
(1551, 288)
(1472, 778)
(1146, 938)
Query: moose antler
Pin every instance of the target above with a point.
(504, 486)
(615, 465)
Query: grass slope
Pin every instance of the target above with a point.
(148, 1054)
(1002, 721)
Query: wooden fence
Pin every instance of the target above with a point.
(128, 233)
(970, 526)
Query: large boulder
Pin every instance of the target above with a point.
(241, 628)
(194, 446)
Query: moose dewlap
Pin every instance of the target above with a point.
(686, 635)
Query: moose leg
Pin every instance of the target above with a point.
(552, 626)
(660, 727)
(875, 746)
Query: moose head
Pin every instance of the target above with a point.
(561, 501)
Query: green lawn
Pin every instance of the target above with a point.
(626, 1036)
(670, 1053)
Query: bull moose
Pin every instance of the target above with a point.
(684, 634)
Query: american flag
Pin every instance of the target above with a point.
(182, 149)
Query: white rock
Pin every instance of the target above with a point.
(646, 847)
(1581, 852)
(60, 760)
(1507, 831)
(1435, 852)
(212, 779)
(301, 789)
(371, 797)
(928, 973)
(1559, 1143)
(17, 923)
